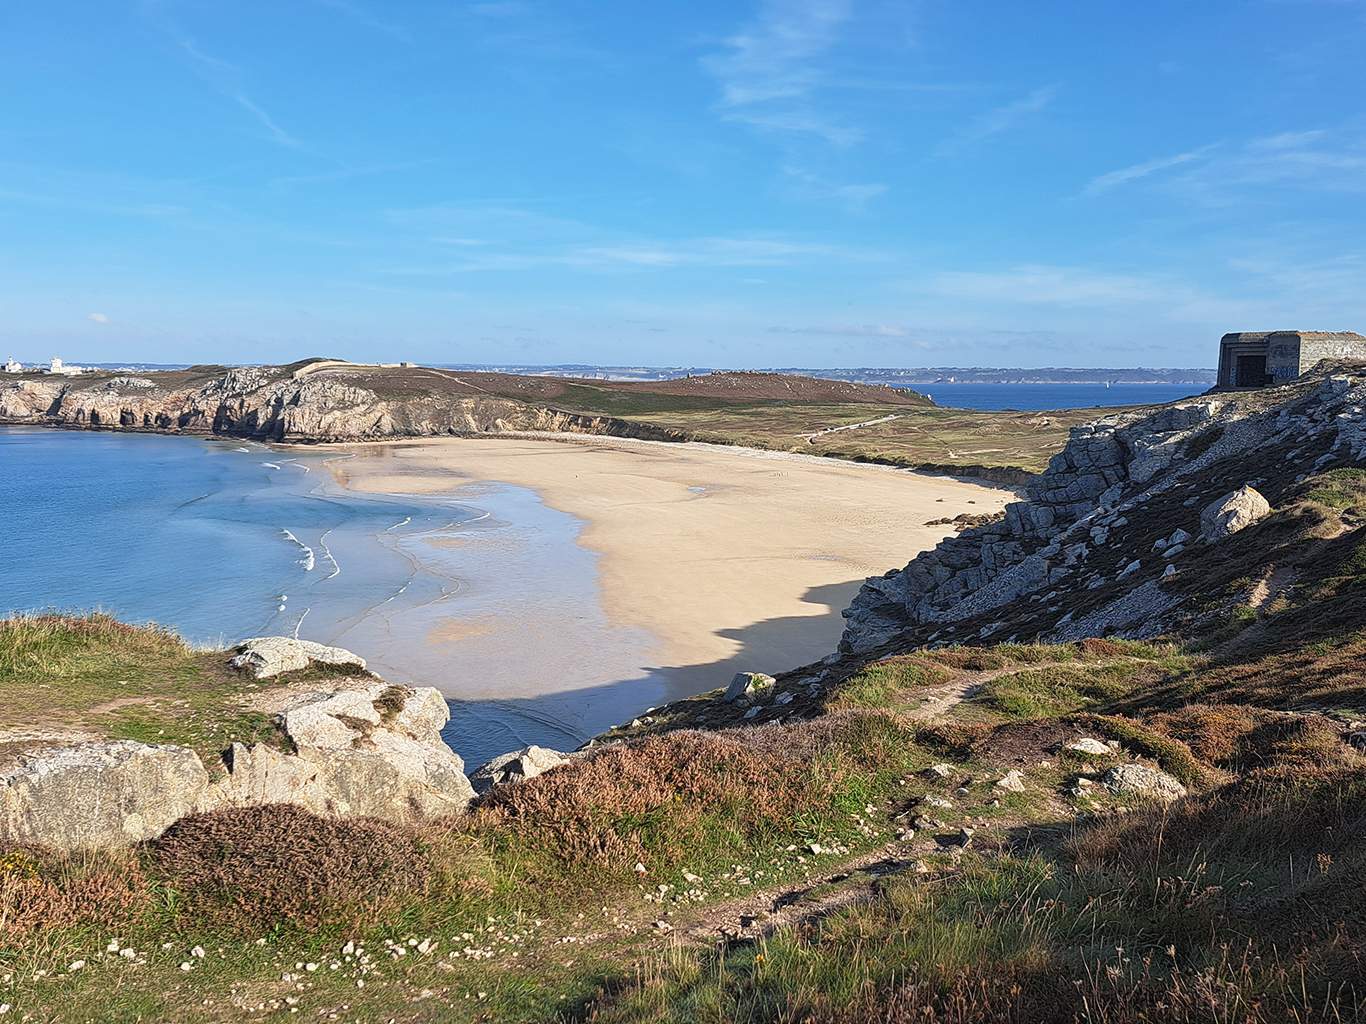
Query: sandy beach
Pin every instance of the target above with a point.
(732, 559)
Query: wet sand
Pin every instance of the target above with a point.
(731, 559)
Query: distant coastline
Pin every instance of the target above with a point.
(893, 376)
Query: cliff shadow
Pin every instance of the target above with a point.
(480, 730)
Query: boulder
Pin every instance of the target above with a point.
(521, 764)
(1089, 746)
(268, 656)
(1138, 780)
(374, 750)
(101, 794)
(1231, 513)
(1012, 781)
(746, 683)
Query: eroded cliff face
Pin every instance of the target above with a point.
(1090, 553)
(273, 404)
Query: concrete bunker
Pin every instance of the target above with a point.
(1256, 359)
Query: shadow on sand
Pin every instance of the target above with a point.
(480, 730)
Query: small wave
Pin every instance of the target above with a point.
(405, 522)
(399, 593)
(270, 464)
(300, 623)
(327, 553)
(247, 450)
(307, 560)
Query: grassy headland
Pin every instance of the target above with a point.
(751, 873)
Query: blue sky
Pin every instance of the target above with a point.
(782, 182)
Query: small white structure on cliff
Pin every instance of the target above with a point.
(14, 366)
(62, 369)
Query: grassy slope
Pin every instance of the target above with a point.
(917, 437)
(1243, 902)
(1060, 897)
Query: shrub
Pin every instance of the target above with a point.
(259, 867)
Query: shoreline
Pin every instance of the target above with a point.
(734, 559)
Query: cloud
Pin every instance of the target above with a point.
(993, 122)
(1318, 160)
(772, 68)
(853, 331)
(1108, 181)
(853, 198)
(1056, 286)
(99, 318)
(226, 78)
(366, 18)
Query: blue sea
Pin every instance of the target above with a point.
(492, 602)
(1043, 397)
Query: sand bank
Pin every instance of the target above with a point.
(733, 559)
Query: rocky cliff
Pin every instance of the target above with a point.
(356, 746)
(287, 403)
(1111, 539)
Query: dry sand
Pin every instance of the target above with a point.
(734, 559)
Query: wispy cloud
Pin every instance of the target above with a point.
(993, 122)
(507, 238)
(99, 318)
(851, 331)
(227, 79)
(852, 198)
(1222, 172)
(772, 67)
(1105, 182)
(365, 18)
(1057, 286)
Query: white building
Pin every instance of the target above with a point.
(14, 366)
(64, 369)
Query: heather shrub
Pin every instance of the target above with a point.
(258, 867)
(664, 801)
(44, 889)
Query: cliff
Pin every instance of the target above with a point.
(331, 738)
(1111, 540)
(275, 403)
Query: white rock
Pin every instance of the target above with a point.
(745, 683)
(526, 763)
(1233, 512)
(1012, 782)
(268, 656)
(1089, 746)
(1138, 780)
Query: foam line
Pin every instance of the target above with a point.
(307, 560)
(327, 553)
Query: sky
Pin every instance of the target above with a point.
(816, 183)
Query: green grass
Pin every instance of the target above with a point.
(92, 673)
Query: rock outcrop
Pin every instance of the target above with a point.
(526, 763)
(1142, 781)
(1080, 557)
(101, 794)
(361, 748)
(267, 656)
(375, 750)
(339, 402)
(1235, 511)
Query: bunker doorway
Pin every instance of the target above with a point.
(1251, 371)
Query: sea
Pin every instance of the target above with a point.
(492, 602)
(489, 598)
(1044, 397)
